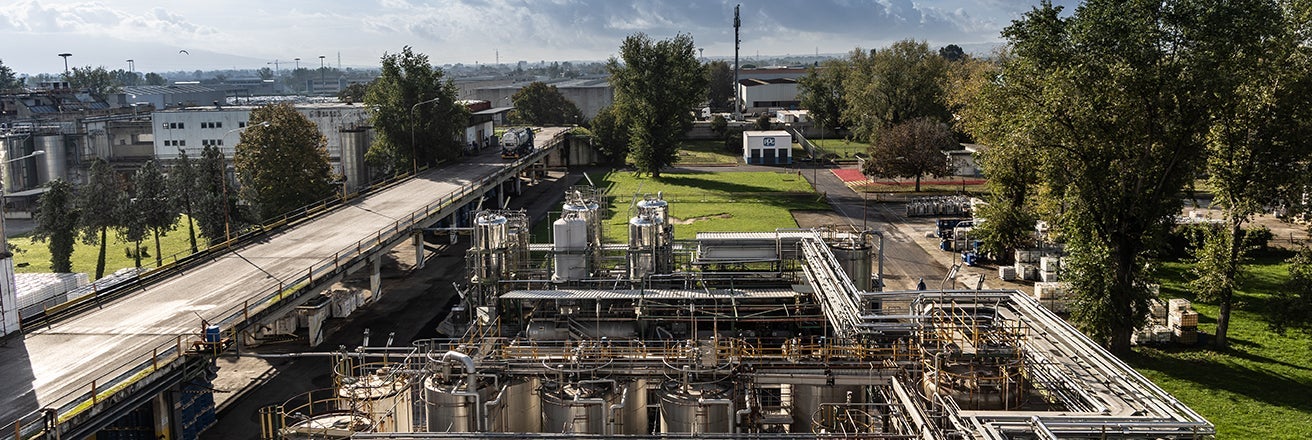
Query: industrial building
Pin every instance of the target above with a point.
(767, 147)
(589, 94)
(770, 334)
(762, 95)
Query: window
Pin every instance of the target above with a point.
(241, 124)
(212, 142)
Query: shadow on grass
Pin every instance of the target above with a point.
(1208, 374)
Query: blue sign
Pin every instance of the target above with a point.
(769, 142)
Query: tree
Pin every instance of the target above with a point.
(952, 52)
(610, 133)
(216, 206)
(911, 149)
(126, 78)
(56, 224)
(284, 164)
(822, 92)
(7, 79)
(131, 226)
(155, 79)
(152, 205)
(265, 73)
(97, 80)
(1292, 306)
(183, 191)
(762, 123)
(719, 125)
(893, 85)
(1257, 135)
(98, 203)
(541, 104)
(1105, 104)
(353, 92)
(720, 76)
(411, 130)
(655, 86)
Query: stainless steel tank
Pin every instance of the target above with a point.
(696, 408)
(53, 164)
(521, 409)
(576, 408)
(355, 142)
(632, 418)
(385, 397)
(808, 399)
(853, 254)
(451, 407)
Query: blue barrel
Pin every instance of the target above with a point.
(945, 245)
(212, 334)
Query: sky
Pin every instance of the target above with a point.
(249, 34)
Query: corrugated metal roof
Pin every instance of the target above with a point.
(163, 90)
(793, 235)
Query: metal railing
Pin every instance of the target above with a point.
(105, 386)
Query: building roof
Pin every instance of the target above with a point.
(752, 82)
(162, 90)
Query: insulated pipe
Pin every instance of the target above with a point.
(487, 407)
(738, 415)
(624, 401)
(478, 403)
(464, 359)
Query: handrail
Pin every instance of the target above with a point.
(142, 366)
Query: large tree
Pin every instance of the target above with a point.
(911, 149)
(8, 80)
(96, 80)
(657, 83)
(416, 117)
(282, 165)
(183, 192)
(1104, 104)
(98, 201)
(151, 203)
(216, 204)
(56, 223)
(610, 134)
(719, 75)
(1260, 113)
(821, 91)
(155, 79)
(541, 104)
(889, 86)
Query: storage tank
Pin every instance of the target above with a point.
(52, 165)
(452, 405)
(384, 396)
(521, 408)
(355, 142)
(632, 418)
(808, 400)
(642, 247)
(696, 408)
(491, 239)
(853, 254)
(570, 238)
(582, 207)
(576, 407)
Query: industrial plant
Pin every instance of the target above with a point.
(767, 334)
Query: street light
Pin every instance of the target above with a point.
(227, 225)
(414, 156)
(10, 295)
(65, 55)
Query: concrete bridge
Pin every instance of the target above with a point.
(76, 376)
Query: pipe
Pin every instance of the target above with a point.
(733, 425)
(464, 359)
(624, 401)
(738, 415)
(478, 403)
(487, 407)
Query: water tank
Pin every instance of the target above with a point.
(808, 400)
(570, 237)
(576, 408)
(450, 408)
(52, 165)
(384, 396)
(521, 408)
(684, 408)
(853, 254)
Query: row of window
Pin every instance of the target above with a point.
(182, 126)
(211, 142)
(211, 124)
(175, 143)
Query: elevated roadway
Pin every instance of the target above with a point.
(73, 370)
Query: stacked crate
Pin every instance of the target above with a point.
(1048, 268)
(1007, 273)
(1156, 330)
(1183, 321)
(1025, 264)
(1053, 295)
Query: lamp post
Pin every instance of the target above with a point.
(227, 225)
(65, 55)
(9, 295)
(414, 156)
(321, 71)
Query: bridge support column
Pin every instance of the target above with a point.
(376, 276)
(418, 238)
(163, 422)
(519, 185)
(501, 195)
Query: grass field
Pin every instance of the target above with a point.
(730, 201)
(841, 147)
(1262, 386)
(705, 153)
(35, 256)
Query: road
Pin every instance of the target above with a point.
(50, 367)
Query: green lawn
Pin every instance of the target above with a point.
(1262, 386)
(701, 202)
(35, 257)
(842, 147)
(706, 153)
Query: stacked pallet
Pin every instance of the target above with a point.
(1183, 321)
(1007, 273)
(37, 291)
(1025, 264)
(1048, 268)
(1053, 295)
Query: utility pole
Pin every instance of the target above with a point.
(737, 23)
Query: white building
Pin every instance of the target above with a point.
(193, 128)
(963, 162)
(762, 95)
(767, 147)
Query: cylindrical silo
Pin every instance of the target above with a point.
(53, 164)
(576, 407)
(384, 396)
(570, 237)
(454, 406)
(695, 408)
(491, 240)
(355, 142)
(853, 254)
